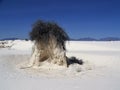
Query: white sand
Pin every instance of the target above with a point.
(101, 70)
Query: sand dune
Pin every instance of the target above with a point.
(100, 71)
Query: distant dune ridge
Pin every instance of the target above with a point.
(10, 39)
(80, 39)
(101, 39)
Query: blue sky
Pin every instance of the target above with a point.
(79, 18)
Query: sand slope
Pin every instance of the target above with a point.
(101, 70)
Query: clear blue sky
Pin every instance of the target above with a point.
(79, 18)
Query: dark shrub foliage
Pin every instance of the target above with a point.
(44, 31)
(73, 60)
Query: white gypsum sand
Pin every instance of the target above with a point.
(100, 71)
